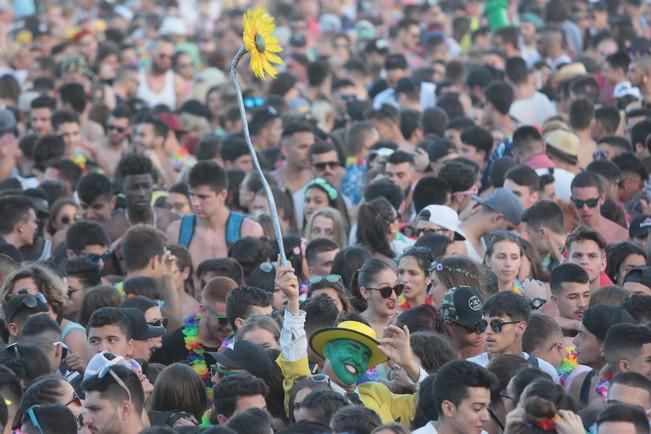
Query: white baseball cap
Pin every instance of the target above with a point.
(443, 216)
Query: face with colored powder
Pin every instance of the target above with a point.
(348, 360)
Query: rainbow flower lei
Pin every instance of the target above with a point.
(196, 351)
(603, 384)
(568, 365)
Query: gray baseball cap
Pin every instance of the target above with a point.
(7, 121)
(462, 305)
(504, 202)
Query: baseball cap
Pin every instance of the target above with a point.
(563, 142)
(7, 121)
(172, 121)
(570, 71)
(640, 226)
(600, 317)
(21, 302)
(462, 305)
(377, 45)
(395, 61)
(100, 360)
(625, 88)
(405, 85)
(641, 275)
(443, 216)
(140, 330)
(439, 148)
(245, 355)
(504, 202)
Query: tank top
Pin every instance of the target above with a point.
(167, 94)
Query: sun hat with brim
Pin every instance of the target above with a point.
(351, 330)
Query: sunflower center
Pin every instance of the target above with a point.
(260, 43)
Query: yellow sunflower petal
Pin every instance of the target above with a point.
(259, 41)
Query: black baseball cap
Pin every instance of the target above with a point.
(640, 226)
(641, 275)
(462, 305)
(18, 303)
(600, 317)
(377, 45)
(245, 355)
(140, 330)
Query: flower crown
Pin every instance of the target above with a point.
(324, 185)
(437, 266)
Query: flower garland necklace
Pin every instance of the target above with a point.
(196, 351)
(568, 366)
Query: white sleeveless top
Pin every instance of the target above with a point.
(166, 96)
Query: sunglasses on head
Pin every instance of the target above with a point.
(32, 300)
(75, 399)
(159, 323)
(31, 413)
(330, 278)
(330, 164)
(108, 369)
(386, 291)
(496, 324)
(64, 349)
(591, 203)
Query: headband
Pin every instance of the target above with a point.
(325, 186)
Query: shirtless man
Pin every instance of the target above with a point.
(134, 176)
(213, 227)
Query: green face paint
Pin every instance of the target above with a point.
(348, 359)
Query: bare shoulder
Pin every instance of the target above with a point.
(251, 228)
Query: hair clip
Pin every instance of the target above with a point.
(438, 266)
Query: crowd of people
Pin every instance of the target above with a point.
(464, 195)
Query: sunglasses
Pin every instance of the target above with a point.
(496, 324)
(591, 203)
(218, 316)
(419, 250)
(427, 231)
(116, 128)
(33, 419)
(13, 348)
(32, 300)
(75, 399)
(330, 278)
(64, 349)
(386, 291)
(108, 369)
(159, 323)
(478, 328)
(95, 258)
(330, 164)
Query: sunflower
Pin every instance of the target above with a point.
(260, 42)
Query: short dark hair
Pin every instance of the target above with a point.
(633, 379)
(528, 139)
(478, 138)
(524, 176)
(605, 168)
(545, 213)
(87, 271)
(581, 113)
(566, 273)
(625, 413)
(500, 95)
(321, 147)
(64, 117)
(584, 233)
(540, 328)
(251, 421)
(317, 72)
(507, 303)
(75, 95)
(609, 117)
(68, 170)
(616, 255)
(516, 70)
(587, 179)
(242, 298)
(616, 142)
(85, 233)
(133, 164)
(112, 391)
(233, 147)
(355, 419)
(110, 316)
(433, 120)
(323, 404)
(619, 60)
(459, 175)
(625, 341)
(639, 132)
(629, 162)
(229, 390)
(400, 156)
(52, 418)
(47, 149)
(43, 101)
(208, 173)
(453, 380)
(430, 190)
(318, 245)
(227, 267)
(384, 188)
(320, 312)
(639, 306)
(141, 243)
(13, 209)
(94, 185)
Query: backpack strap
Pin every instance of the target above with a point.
(533, 360)
(186, 230)
(234, 227)
(584, 395)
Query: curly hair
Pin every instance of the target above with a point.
(47, 282)
(133, 164)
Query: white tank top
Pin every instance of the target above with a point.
(167, 94)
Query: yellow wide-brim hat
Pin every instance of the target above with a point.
(354, 331)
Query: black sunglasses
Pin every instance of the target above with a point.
(159, 323)
(32, 300)
(324, 164)
(116, 128)
(591, 203)
(496, 324)
(92, 257)
(386, 291)
(478, 328)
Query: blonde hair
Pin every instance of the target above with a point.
(217, 289)
(264, 322)
(47, 282)
(338, 223)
